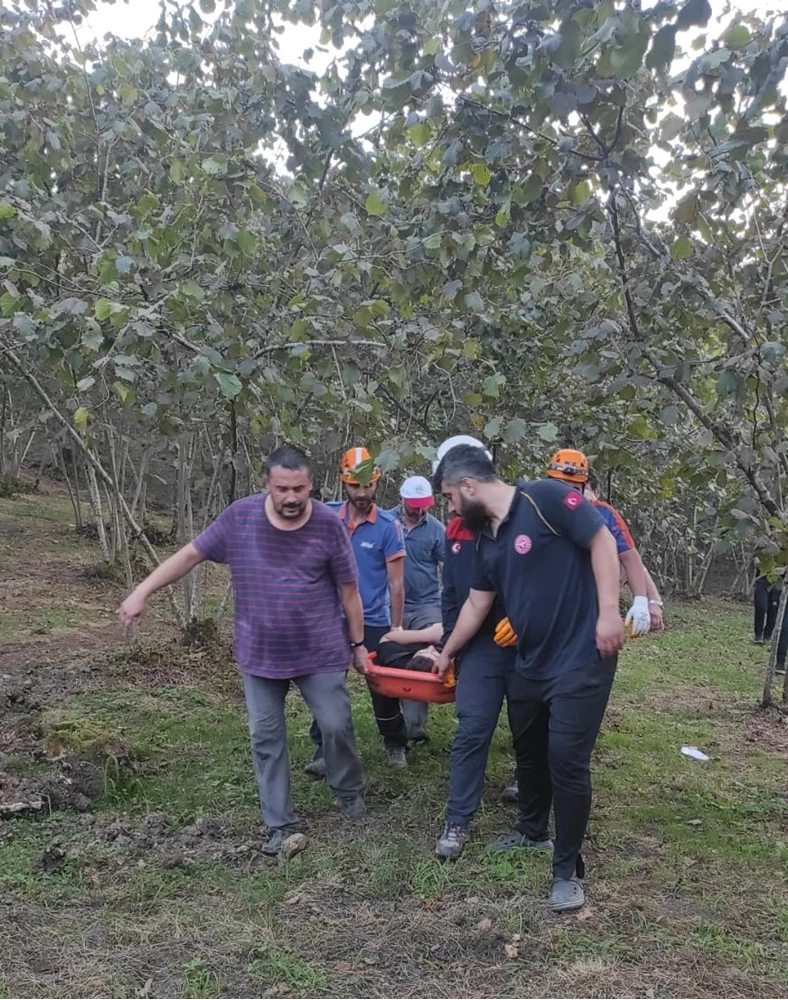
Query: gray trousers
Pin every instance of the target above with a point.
(416, 713)
(329, 702)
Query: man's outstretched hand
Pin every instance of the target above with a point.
(131, 611)
(441, 664)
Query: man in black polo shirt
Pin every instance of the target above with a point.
(548, 555)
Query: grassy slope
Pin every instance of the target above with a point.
(687, 861)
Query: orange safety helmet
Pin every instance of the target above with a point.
(569, 465)
(351, 460)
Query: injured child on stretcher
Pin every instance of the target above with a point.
(410, 649)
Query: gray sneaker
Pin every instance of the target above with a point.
(353, 808)
(509, 794)
(396, 756)
(316, 768)
(515, 839)
(279, 835)
(451, 841)
(566, 894)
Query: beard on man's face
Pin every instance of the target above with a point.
(474, 513)
(290, 508)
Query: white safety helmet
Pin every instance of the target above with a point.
(453, 442)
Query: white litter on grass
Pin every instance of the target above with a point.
(694, 753)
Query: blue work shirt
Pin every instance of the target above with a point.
(425, 545)
(376, 541)
(539, 565)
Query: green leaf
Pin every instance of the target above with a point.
(515, 430)
(580, 192)
(191, 290)
(687, 209)
(502, 216)
(432, 46)
(727, 383)
(493, 428)
(7, 211)
(247, 242)
(86, 383)
(681, 249)
(547, 432)
(388, 460)
(102, 310)
(215, 166)
(693, 12)
(124, 392)
(474, 301)
(207, 6)
(568, 49)
(531, 190)
(433, 242)
(375, 205)
(627, 59)
(177, 172)
(670, 415)
(230, 385)
(420, 134)
(81, 419)
(492, 385)
(481, 174)
(663, 48)
(737, 36)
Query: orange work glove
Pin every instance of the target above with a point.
(450, 678)
(505, 634)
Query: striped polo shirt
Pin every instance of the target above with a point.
(289, 620)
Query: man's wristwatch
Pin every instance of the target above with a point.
(357, 645)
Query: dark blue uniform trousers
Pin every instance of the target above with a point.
(484, 679)
(555, 723)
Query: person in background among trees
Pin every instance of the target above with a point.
(485, 677)
(425, 539)
(298, 615)
(546, 552)
(379, 548)
(766, 601)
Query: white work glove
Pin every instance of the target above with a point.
(638, 619)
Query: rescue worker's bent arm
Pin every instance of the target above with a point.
(407, 636)
(655, 603)
(354, 612)
(604, 562)
(170, 571)
(470, 620)
(396, 573)
(638, 619)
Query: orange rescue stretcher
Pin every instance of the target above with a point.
(413, 685)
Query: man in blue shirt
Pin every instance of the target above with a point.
(425, 539)
(545, 551)
(379, 548)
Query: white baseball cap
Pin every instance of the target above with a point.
(453, 442)
(417, 491)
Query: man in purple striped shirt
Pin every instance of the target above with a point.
(294, 574)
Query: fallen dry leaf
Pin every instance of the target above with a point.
(585, 914)
(484, 926)
(694, 822)
(512, 951)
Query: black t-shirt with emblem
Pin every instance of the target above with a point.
(539, 565)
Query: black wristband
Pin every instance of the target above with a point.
(357, 645)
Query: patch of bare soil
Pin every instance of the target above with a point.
(767, 729)
(67, 784)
